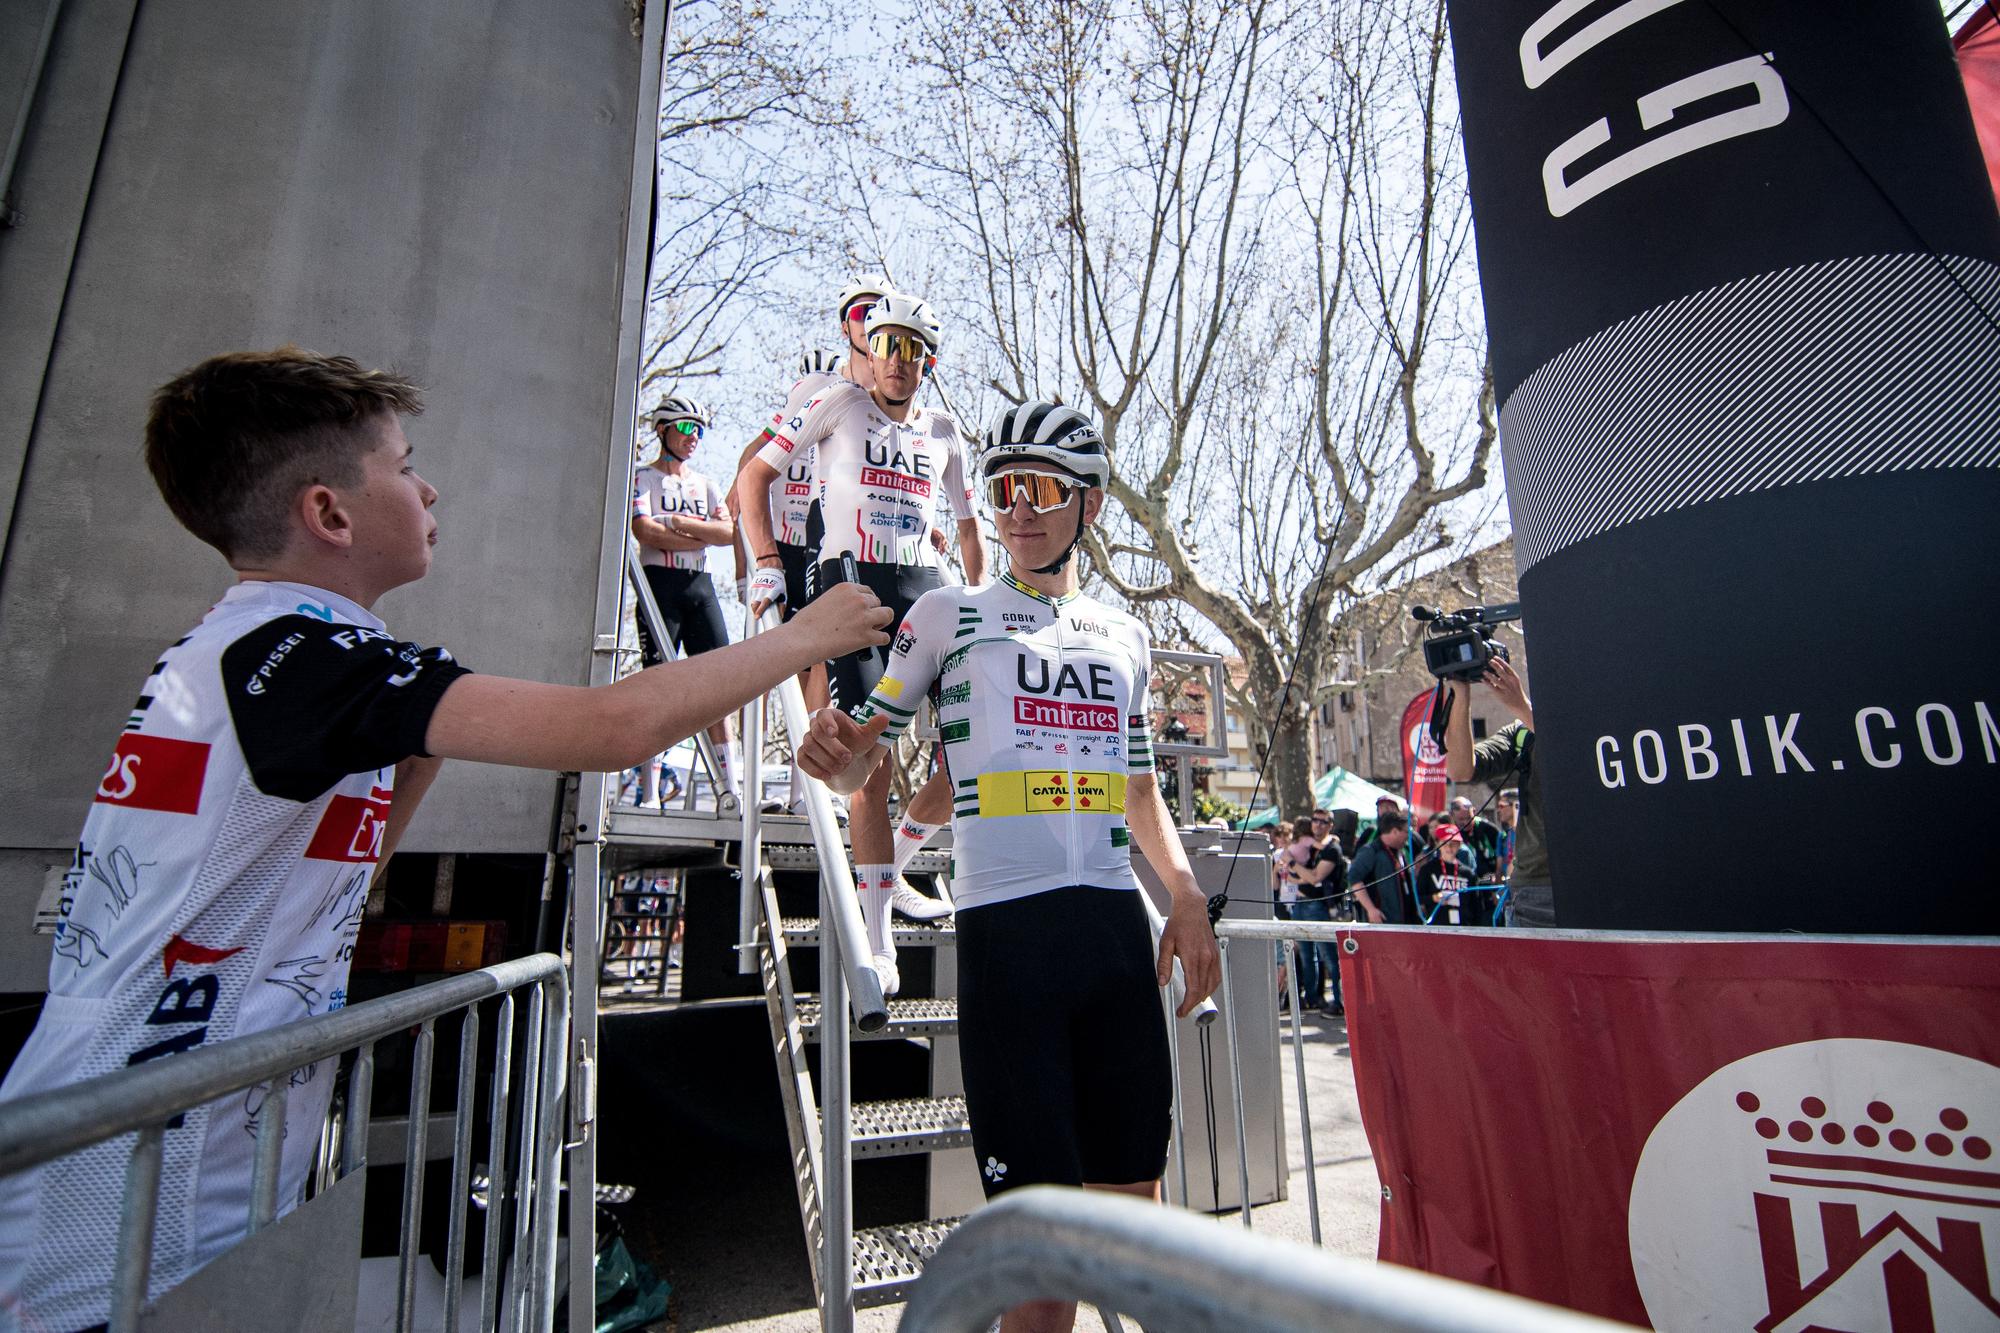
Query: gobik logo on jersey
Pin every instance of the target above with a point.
(1861, 1168)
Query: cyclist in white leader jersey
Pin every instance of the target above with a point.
(880, 463)
(271, 762)
(1042, 701)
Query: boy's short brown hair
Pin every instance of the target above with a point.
(231, 442)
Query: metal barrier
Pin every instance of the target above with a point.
(145, 1098)
(1172, 1269)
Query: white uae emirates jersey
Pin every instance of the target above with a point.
(1042, 707)
(216, 891)
(877, 480)
(657, 493)
(792, 492)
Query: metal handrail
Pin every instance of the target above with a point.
(647, 607)
(1173, 1269)
(45, 1125)
(847, 982)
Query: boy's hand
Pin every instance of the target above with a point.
(833, 739)
(845, 619)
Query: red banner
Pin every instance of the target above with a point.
(1746, 1134)
(1423, 761)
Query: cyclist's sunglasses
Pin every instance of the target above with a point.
(899, 346)
(687, 427)
(1044, 493)
(859, 310)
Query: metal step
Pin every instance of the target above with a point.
(907, 1018)
(888, 1260)
(908, 1126)
(909, 934)
(782, 853)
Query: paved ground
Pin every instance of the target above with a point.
(742, 1268)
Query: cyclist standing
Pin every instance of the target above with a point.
(1042, 703)
(879, 462)
(677, 514)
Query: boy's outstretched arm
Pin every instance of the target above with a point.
(569, 728)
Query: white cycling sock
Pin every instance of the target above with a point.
(911, 835)
(873, 883)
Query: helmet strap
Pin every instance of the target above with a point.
(1055, 566)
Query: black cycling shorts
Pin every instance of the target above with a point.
(1063, 1040)
(688, 611)
(797, 561)
(853, 677)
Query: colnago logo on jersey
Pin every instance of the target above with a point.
(155, 773)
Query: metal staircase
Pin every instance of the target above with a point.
(884, 1260)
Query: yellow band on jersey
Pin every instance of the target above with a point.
(889, 686)
(1049, 792)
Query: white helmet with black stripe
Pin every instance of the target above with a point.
(1046, 432)
(900, 310)
(816, 362)
(868, 284)
(675, 407)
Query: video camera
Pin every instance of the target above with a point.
(1459, 644)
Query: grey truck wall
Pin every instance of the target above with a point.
(437, 185)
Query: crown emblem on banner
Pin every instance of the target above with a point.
(1896, 1202)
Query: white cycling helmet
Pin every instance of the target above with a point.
(1045, 432)
(868, 284)
(900, 310)
(816, 362)
(674, 407)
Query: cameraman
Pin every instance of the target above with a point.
(1509, 751)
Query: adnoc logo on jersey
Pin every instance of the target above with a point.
(1862, 1168)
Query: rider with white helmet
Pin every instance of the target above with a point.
(881, 462)
(1043, 703)
(677, 514)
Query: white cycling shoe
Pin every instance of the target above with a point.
(914, 905)
(885, 972)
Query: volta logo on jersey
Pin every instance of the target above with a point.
(1862, 1169)
(352, 828)
(155, 773)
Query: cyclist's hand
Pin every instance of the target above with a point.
(833, 739)
(1190, 938)
(767, 587)
(846, 618)
(1376, 918)
(938, 542)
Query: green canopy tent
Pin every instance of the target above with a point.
(1335, 789)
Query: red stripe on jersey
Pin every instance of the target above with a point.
(350, 830)
(155, 773)
(181, 950)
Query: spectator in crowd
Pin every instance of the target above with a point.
(1384, 805)
(1284, 890)
(1509, 752)
(1319, 881)
(1482, 838)
(1444, 880)
(1507, 814)
(1381, 878)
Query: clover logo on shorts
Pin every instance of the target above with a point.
(995, 1170)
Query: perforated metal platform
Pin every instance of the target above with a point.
(907, 1018)
(888, 1260)
(909, 1125)
(909, 934)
